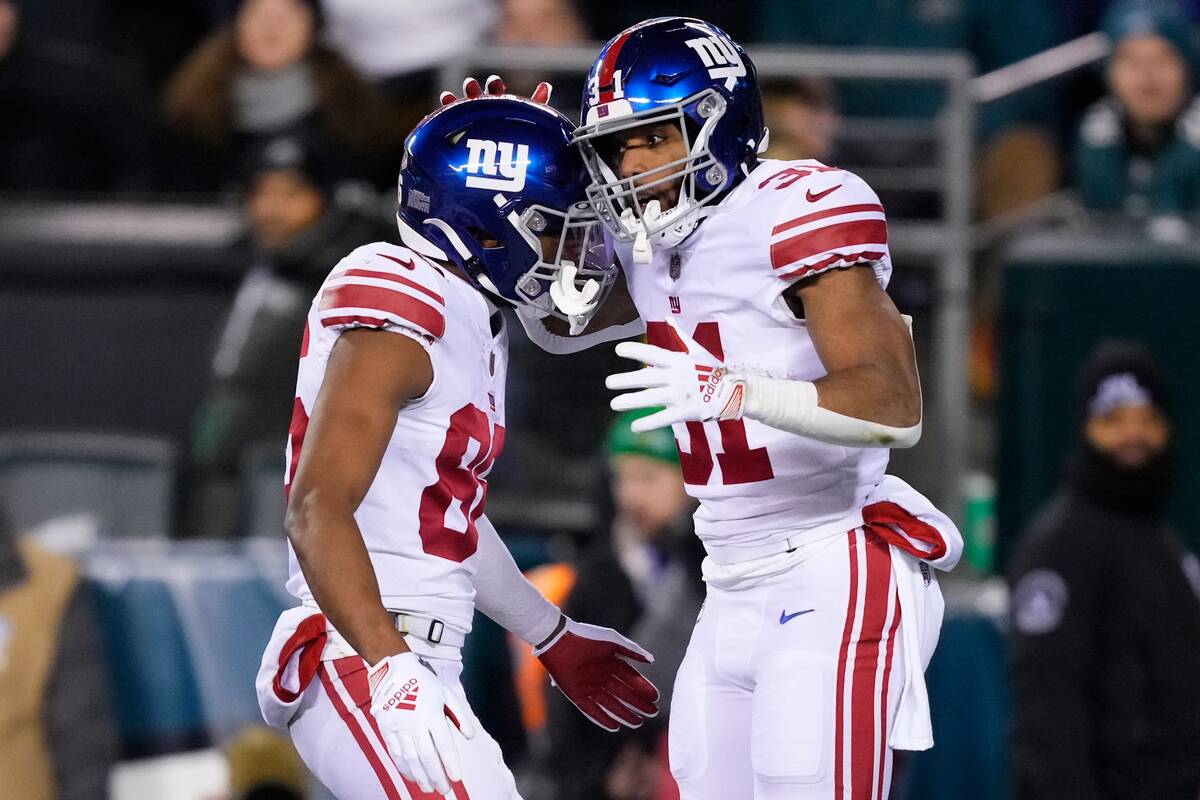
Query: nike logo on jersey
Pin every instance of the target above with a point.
(401, 262)
(785, 617)
(812, 198)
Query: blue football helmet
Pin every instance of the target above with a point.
(483, 181)
(670, 70)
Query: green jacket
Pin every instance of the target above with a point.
(1114, 175)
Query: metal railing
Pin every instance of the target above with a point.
(945, 243)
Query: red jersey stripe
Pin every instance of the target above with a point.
(824, 264)
(391, 276)
(826, 214)
(832, 237)
(389, 301)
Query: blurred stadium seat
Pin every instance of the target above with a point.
(260, 476)
(968, 695)
(125, 482)
(184, 626)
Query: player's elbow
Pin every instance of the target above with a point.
(307, 508)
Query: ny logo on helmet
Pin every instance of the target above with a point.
(485, 158)
(721, 58)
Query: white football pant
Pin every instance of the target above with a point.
(790, 681)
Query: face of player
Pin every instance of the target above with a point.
(1129, 435)
(649, 493)
(281, 205)
(1149, 79)
(640, 151)
(8, 26)
(273, 34)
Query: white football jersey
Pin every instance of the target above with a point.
(786, 222)
(418, 518)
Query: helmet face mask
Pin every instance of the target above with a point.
(621, 202)
(563, 239)
(494, 185)
(679, 71)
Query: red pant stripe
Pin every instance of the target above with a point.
(356, 730)
(883, 697)
(847, 632)
(360, 692)
(866, 668)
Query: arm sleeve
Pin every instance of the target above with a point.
(564, 345)
(828, 219)
(386, 287)
(1055, 615)
(80, 732)
(504, 594)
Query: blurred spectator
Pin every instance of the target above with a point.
(297, 232)
(71, 122)
(1139, 149)
(57, 735)
(550, 23)
(1019, 160)
(1106, 608)
(606, 20)
(803, 118)
(265, 74)
(645, 576)
(402, 42)
(264, 765)
(543, 22)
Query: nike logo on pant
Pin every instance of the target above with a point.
(785, 617)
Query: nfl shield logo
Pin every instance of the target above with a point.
(676, 263)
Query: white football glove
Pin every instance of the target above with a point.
(419, 716)
(691, 386)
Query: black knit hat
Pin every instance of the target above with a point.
(290, 153)
(1121, 373)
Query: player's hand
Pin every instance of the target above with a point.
(590, 665)
(419, 716)
(691, 386)
(493, 85)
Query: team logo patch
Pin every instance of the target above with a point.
(676, 308)
(1039, 602)
(486, 159)
(404, 698)
(709, 379)
(719, 56)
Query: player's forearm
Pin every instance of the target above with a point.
(872, 392)
(337, 568)
(849, 408)
(504, 594)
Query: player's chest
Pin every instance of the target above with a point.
(474, 363)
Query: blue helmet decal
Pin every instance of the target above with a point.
(684, 72)
(485, 182)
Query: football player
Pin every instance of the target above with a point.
(398, 417)
(786, 373)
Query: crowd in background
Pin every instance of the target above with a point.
(133, 96)
(295, 111)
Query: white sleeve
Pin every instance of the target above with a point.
(829, 220)
(505, 595)
(535, 329)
